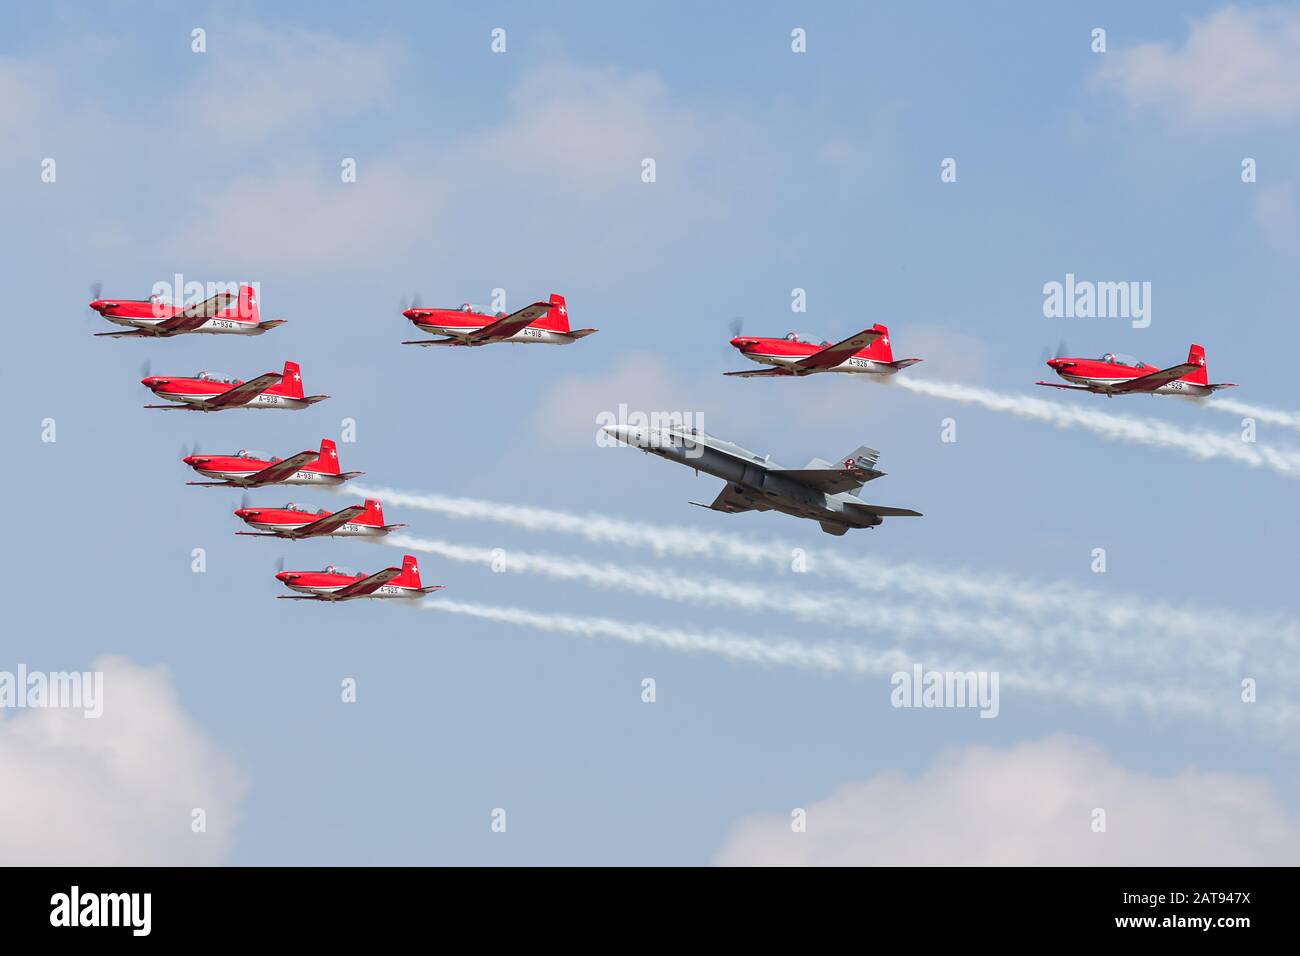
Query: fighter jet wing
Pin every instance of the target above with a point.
(244, 392)
(883, 511)
(830, 480)
(366, 585)
(731, 502)
(835, 354)
(328, 524)
(507, 326)
(1153, 380)
(279, 470)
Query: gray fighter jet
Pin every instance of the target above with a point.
(819, 490)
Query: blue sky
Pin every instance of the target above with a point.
(521, 170)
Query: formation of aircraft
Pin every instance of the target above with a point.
(343, 584)
(215, 392)
(820, 491)
(1115, 374)
(296, 521)
(866, 353)
(224, 313)
(543, 323)
(252, 469)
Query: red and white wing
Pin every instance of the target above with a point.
(191, 317)
(833, 355)
(280, 470)
(367, 585)
(1153, 380)
(507, 326)
(244, 392)
(329, 523)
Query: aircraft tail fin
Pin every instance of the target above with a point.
(556, 318)
(861, 457)
(880, 350)
(410, 576)
(250, 310)
(292, 380)
(1196, 356)
(329, 456)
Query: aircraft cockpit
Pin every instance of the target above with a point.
(806, 339)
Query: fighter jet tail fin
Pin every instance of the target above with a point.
(862, 457)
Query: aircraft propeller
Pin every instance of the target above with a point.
(96, 290)
(414, 302)
(279, 564)
(1061, 351)
(146, 368)
(737, 325)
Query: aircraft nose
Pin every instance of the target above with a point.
(246, 513)
(149, 381)
(285, 576)
(413, 314)
(741, 343)
(626, 434)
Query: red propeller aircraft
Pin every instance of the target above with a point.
(546, 323)
(868, 352)
(223, 313)
(343, 584)
(252, 469)
(1123, 375)
(213, 392)
(297, 521)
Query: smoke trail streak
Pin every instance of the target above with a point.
(1226, 640)
(1201, 445)
(847, 659)
(1269, 416)
(925, 621)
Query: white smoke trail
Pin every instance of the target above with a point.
(1269, 416)
(1201, 445)
(908, 622)
(925, 621)
(850, 659)
(1222, 639)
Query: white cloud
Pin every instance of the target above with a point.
(557, 181)
(254, 82)
(1030, 805)
(119, 789)
(1235, 65)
